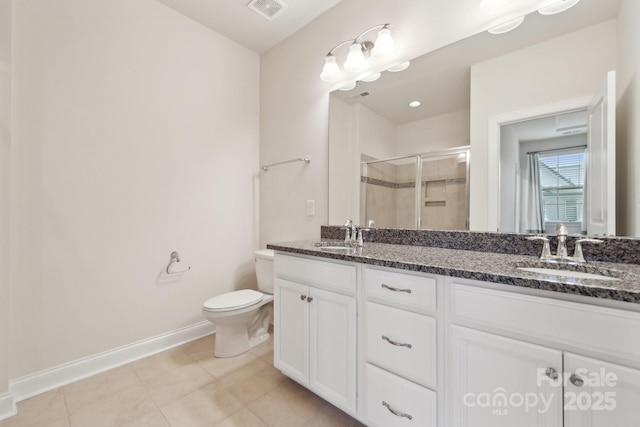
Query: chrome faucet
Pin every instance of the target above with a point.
(562, 233)
(562, 253)
(352, 231)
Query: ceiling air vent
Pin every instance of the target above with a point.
(269, 9)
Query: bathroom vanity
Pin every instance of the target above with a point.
(404, 335)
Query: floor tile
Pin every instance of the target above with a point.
(160, 363)
(204, 407)
(98, 386)
(184, 387)
(288, 405)
(118, 409)
(257, 385)
(225, 366)
(45, 410)
(242, 418)
(171, 385)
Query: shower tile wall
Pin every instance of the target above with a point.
(390, 193)
(380, 194)
(444, 194)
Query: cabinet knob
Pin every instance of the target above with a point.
(395, 412)
(309, 299)
(551, 373)
(303, 297)
(576, 380)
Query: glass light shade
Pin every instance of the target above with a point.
(371, 78)
(399, 67)
(330, 71)
(507, 26)
(348, 87)
(356, 61)
(557, 7)
(384, 46)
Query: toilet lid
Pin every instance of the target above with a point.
(233, 300)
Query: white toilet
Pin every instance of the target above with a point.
(242, 317)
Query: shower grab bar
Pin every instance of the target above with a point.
(306, 159)
(175, 259)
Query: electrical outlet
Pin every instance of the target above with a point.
(311, 207)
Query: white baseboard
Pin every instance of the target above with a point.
(7, 406)
(49, 379)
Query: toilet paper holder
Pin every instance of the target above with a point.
(173, 262)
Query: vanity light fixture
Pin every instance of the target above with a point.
(363, 55)
(505, 27)
(557, 7)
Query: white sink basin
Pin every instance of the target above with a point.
(566, 273)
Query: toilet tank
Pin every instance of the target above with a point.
(264, 269)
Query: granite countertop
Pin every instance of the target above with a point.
(484, 266)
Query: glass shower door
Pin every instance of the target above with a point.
(444, 190)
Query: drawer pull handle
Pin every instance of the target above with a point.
(391, 288)
(390, 341)
(396, 413)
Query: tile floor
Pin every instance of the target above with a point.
(184, 387)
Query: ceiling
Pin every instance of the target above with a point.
(551, 127)
(233, 19)
(441, 79)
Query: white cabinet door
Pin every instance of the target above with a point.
(291, 337)
(501, 382)
(333, 347)
(600, 394)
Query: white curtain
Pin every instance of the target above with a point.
(531, 216)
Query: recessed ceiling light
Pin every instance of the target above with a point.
(414, 104)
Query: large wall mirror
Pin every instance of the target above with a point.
(375, 122)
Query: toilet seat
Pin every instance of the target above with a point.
(233, 300)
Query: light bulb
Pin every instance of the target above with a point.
(557, 7)
(356, 61)
(330, 71)
(384, 46)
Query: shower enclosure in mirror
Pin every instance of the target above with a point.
(428, 190)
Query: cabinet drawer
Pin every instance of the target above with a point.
(401, 290)
(387, 393)
(563, 323)
(324, 274)
(402, 342)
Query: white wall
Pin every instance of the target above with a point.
(434, 133)
(5, 142)
(566, 68)
(628, 119)
(135, 133)
(294, 101)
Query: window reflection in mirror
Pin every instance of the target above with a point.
(542, 173)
